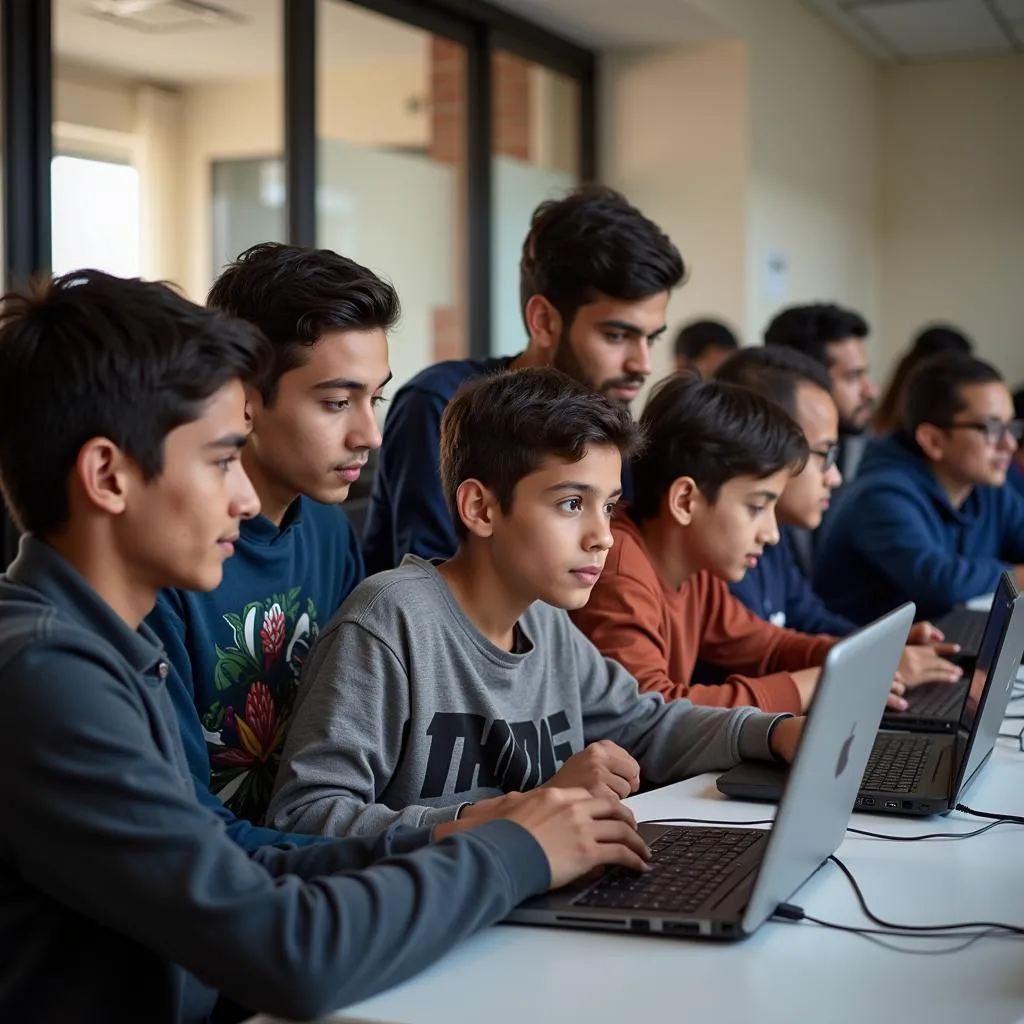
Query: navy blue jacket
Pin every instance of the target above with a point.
(1015, 477)
(123, 899)
(778, 592)
(408, 513)
(236, 652)
(893, 536)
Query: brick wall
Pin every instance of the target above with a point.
(511, 137)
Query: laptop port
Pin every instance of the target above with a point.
(680, 927)
(867, 801)
(892, 804)
(640, 924)
(908, 805)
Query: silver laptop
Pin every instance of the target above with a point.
(724, 883)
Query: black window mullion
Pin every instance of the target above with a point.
(300, 120)
(27, 151)
(479, 191)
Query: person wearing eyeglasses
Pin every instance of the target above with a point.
(775, 589)
(929, 518)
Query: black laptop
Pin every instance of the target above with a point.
(964, 626)
(925, 773)
(936, 707)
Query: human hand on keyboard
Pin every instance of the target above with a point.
(579, 833)
(603, 769)
(925, 633)
(927, 663)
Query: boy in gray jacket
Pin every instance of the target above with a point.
(436, 688)
(123, 897)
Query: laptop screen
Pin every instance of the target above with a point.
(993, 676)
(995, 626)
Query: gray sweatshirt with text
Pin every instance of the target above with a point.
(406, 712)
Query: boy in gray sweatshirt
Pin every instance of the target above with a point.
(124, 898)
(436, 688)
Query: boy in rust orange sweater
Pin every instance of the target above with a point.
(718, 456)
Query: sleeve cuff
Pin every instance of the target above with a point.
(755, 737)
(524, 860)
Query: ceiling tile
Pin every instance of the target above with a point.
(934, 28)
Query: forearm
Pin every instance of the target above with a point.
(333, 811)
(690, 740)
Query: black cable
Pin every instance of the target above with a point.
(918, 928)
(878, 937)
(952, 836)
(1015, 819)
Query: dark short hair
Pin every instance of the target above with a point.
(933, 392)
(931, 341)
(712, 432)
(499, 429)
(809, 329)
(935, 339)
(594, 242)
(696, 337)
(774, 373)
(294, 295)
(89, 355)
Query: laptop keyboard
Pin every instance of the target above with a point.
(964, 627)
(937, 700)
(687, 866)
(896, 764)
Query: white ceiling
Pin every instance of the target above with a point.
(911, 30)
(352, 36)
(610, 24)
(228, 49)
(888, 29)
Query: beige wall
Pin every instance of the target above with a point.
(813, 193)
(675, 142)
(952, 216)
(779, 129)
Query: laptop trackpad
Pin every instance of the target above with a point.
(751, 781)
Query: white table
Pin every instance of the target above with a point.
(785, 973)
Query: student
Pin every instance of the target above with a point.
(834, 337)
(121, 420)
(703, 511)
(438, 685)
(775, 589)
(703, 345)
(929, 518)
(931, 341)
(236, 651)
(595, 278)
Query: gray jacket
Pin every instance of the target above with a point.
(123, 899)
(406, 712)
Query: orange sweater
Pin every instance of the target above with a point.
(659, 633)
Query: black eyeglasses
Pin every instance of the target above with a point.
(829, 456)
(994, 430)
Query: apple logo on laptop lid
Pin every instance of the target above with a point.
(844, 752)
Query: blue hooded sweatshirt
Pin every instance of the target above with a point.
(893, 536)
(777, 591)
(1015, 477)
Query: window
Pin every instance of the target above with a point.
(95, 216)
(535, 147)
(183, 96)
